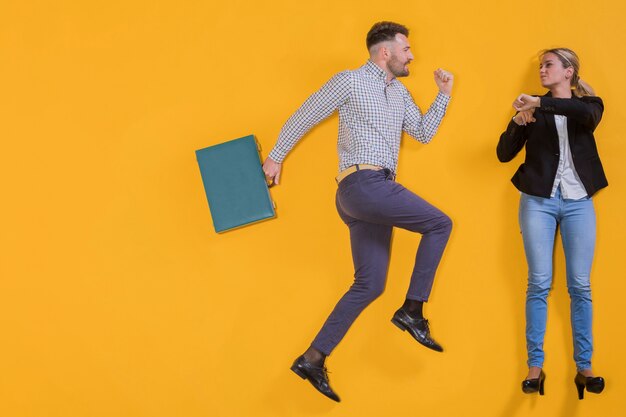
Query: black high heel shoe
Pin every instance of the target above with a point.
(530, 386)
(593, 384)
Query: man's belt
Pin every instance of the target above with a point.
(354, 168)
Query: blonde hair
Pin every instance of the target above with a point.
(569, 59)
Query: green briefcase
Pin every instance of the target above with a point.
(235, 184)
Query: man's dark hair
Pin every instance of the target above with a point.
(384, 31)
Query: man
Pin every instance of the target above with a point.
(374, 109)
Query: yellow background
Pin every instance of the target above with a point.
(118, 299)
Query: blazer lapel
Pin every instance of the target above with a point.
(551, 125)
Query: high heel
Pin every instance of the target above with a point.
(593, 384)
(530, 386)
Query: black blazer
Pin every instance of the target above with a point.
(536, 175)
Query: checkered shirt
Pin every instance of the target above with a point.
(372, 116)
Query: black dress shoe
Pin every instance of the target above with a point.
(317, 376)
(418, 328)
(593, 384)
(530, 386)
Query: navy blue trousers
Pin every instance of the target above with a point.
(371, 203)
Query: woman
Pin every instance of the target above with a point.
(560, 174)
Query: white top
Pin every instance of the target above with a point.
(572, 187)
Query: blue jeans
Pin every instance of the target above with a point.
(538, 219)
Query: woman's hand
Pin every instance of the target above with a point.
(526, 102)
(524, 117)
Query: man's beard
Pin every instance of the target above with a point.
(397, 68)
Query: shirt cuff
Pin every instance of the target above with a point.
(444, 98)
(277, 156)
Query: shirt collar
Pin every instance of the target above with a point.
(376, 71)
